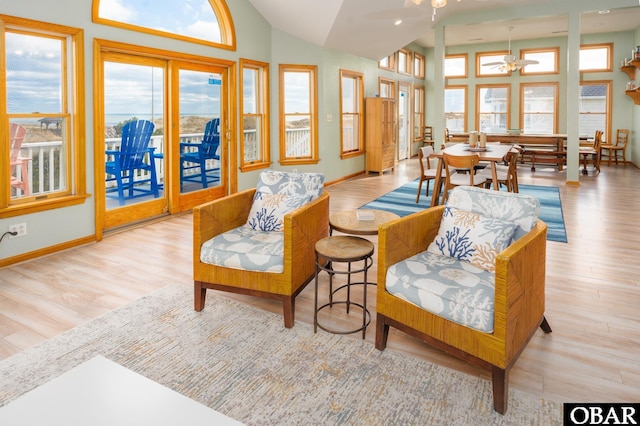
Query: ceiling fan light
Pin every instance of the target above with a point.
(438, 3)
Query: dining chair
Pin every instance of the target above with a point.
(622, 138)
(453, 179)
(507, 174)
(593, 151)
(428, 169)
(427, 135)
(19, 178)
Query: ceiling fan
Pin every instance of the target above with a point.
(510, 62)
(436, 4)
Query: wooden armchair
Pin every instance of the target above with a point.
(302, 228)
(518, 307)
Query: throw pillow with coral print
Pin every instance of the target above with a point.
(268, 210)
(471, 237)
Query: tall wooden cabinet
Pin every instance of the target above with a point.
(380, 134)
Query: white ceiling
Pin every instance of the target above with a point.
(366, 27)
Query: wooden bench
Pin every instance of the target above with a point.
(543, 155)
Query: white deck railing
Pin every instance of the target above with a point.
(50, 165)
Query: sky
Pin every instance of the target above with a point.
(34, 69)
(193, 18)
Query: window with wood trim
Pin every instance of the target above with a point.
(455, 66)
(418, 65)
(203, 21)
(405, 59)
(388, 63)
(595, 108)
(298, 114)
(492, 108)
(42, 114)
(539, 108)
(596, 57)
(547, 58)
(254, 109)
(386, 88)
(418, 112)
(351, 118)
(488, 64)
(455, 108)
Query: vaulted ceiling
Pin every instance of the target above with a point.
(368, 28)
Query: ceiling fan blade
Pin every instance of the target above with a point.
(490, 64)
(527, 61)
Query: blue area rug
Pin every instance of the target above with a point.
(402, 201)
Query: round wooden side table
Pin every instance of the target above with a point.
(343, 249)
(348, 222)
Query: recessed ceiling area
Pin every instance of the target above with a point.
(369, 28)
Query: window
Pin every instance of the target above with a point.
(298, 118)
(404, 61)
(595, 108)
(539, 108)
(455, 108)
(492, 108)
(204, 22)
(418, 65)
(388, 63)
(386, 88)
(596, 57)
(254, 103)
(488, 64)
(42, 68)
(351, 101)
(547, 61)
(455, 65)
(418, 112)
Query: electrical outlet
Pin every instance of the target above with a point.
(19, 228)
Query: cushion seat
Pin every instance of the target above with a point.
(247, 249)
(450, 288)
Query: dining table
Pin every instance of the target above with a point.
(494, 153)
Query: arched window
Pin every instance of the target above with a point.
(200, 21)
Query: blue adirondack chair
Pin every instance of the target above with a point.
(131, 161)
(195, 155)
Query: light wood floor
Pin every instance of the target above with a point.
(593, 286)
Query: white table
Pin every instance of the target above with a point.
(100, 392)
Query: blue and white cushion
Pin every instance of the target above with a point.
(472, 237)
(274, 182)
(245, 248)
(268, 210)
(453, 289)
(521, 209)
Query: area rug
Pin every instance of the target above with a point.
(242, 362)
(402, 201)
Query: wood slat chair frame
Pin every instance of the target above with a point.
(594, 152)
(302, 229)
(453, 179)
(507, 175)
(427, 136)
(622, 138)
(427, 173)
(518, 308)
